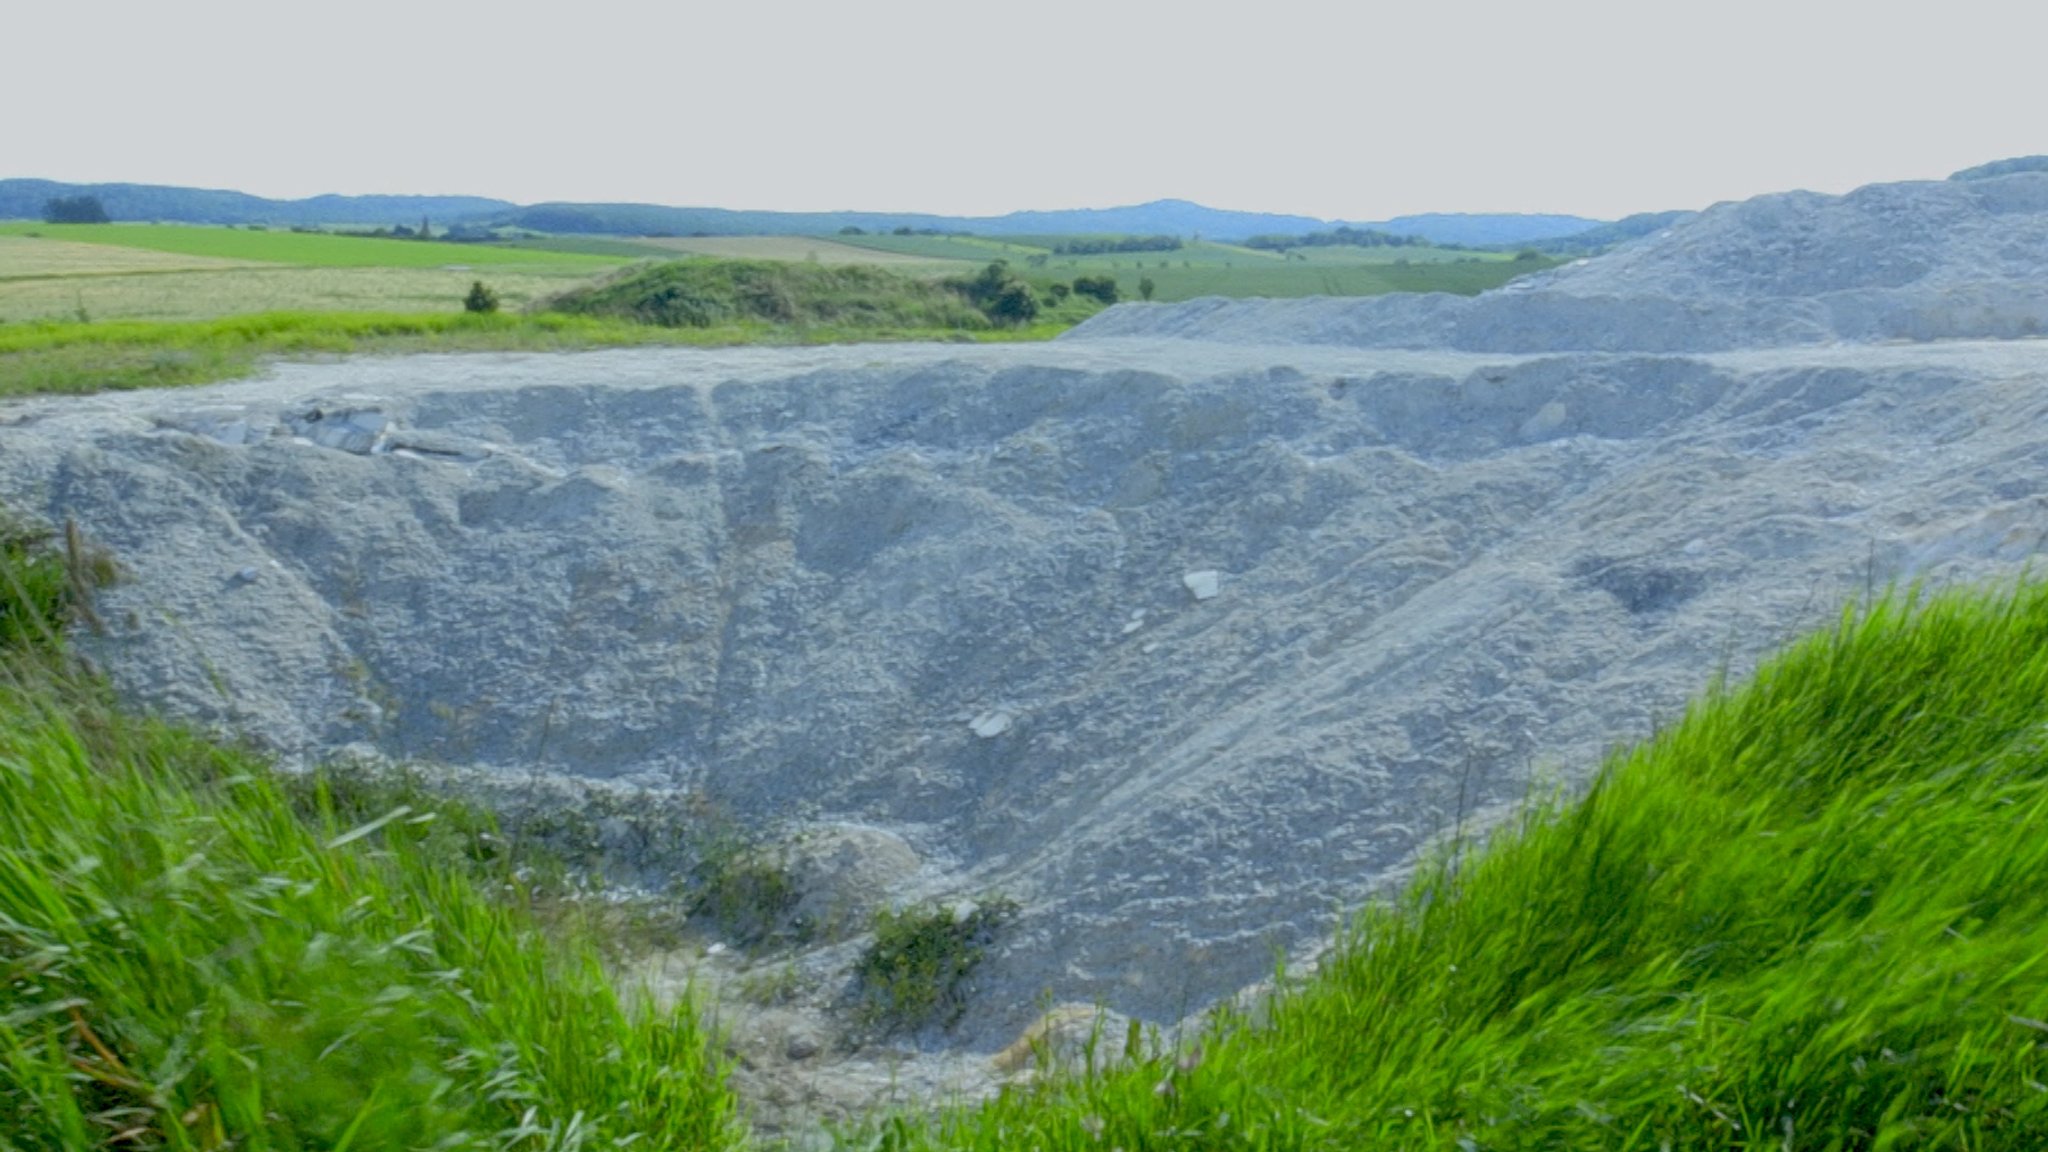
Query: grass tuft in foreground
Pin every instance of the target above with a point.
(189, 959)
(1813, 915)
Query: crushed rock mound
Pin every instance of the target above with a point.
(1914, 261)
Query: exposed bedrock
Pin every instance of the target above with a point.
(1184, 646)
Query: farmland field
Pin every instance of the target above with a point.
(310, 249)
(804, 248)
(1204, 268)
(980, 249)
(1175, 278)
(237, 291)
(27, 257)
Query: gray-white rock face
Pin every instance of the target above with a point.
(1185, 644)
(894, 588)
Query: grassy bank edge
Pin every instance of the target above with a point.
(197, 952)
(1813, 914)
(75, 358)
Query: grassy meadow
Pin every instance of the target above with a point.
(134, 305)
(307, 249)
(805, 249)
(168, 272)
(33, 257)
(249, 289)
(1204, 268)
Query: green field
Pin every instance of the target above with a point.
(133, 305)
(973, 249)
(802, 249)
(1203, 268)
(35, 258)
(257, 288)
(308, 249)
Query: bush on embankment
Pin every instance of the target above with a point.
(710, 293)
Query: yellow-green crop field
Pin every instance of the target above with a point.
(812, 249)
(312, 249)
(248, 289)
(30, 257)
(178, 272)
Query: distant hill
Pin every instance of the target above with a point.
(1161, 217)
(24, 199)
(1483, 230)
(1158, 218)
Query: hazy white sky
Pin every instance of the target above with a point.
(1355, 111)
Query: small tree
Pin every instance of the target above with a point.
(1102, 288)
(480, 299)
(74, 210)
(1013, 304)
(1146, 287)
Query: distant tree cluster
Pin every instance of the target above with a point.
(1103, 245)
(74, 210)
(1343, 237)
(1002, 295)
(1100, 288)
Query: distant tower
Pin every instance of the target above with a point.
(425, 232)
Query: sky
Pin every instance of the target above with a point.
(1357, 111)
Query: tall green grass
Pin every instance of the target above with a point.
(190, 960)
(1812, 915)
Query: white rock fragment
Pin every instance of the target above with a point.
(1203, 585)
(990, 725)
(1547, 420)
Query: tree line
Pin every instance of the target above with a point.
(1340, 237)
(1105, 245)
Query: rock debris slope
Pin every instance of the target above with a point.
(1186, 643)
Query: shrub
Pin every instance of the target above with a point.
(1146, 287)
(1102, 288)
(1001, 294)
(747, 890)
(708, 293)
(915, 971)
(480, 299)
